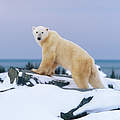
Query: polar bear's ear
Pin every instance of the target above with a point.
(47, 29)
(33, 27)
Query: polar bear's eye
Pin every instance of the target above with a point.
(36, 32)
(42, 32)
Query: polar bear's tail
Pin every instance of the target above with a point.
(95, 80)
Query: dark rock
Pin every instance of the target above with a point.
(110, 86)
(115, 109)
(24, 78)
(81, 90)
(36, 80)
(63, 75)
(1, 80)
(59, 83)
(13, 74)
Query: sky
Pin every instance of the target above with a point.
(92, 24)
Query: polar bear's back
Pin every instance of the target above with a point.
(66, 51)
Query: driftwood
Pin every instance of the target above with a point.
(69, 115)
(7, 89)
(24, 78)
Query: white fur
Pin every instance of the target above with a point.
(42, 33)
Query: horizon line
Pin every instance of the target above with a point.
(41, 58)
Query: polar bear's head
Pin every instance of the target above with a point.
(40, 33)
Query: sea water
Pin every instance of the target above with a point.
(106, 65)
(20, 63)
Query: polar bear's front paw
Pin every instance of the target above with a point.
(40, 72)
(34, 70)
(50, 74)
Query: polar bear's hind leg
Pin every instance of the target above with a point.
(94, 79)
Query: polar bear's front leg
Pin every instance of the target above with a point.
(52, 69)
(46, 66)
(42, 70)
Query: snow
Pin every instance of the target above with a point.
(25, 104)
(108, 97)
(114, 82)
(46, 102)
(108, 115)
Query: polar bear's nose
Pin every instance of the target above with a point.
(39, 38)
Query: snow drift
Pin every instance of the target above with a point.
(46, 101)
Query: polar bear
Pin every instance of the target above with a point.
(58, 51)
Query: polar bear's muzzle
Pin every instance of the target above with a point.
(39, 38)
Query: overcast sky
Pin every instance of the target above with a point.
(92, 24)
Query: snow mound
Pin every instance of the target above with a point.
(46, 101)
